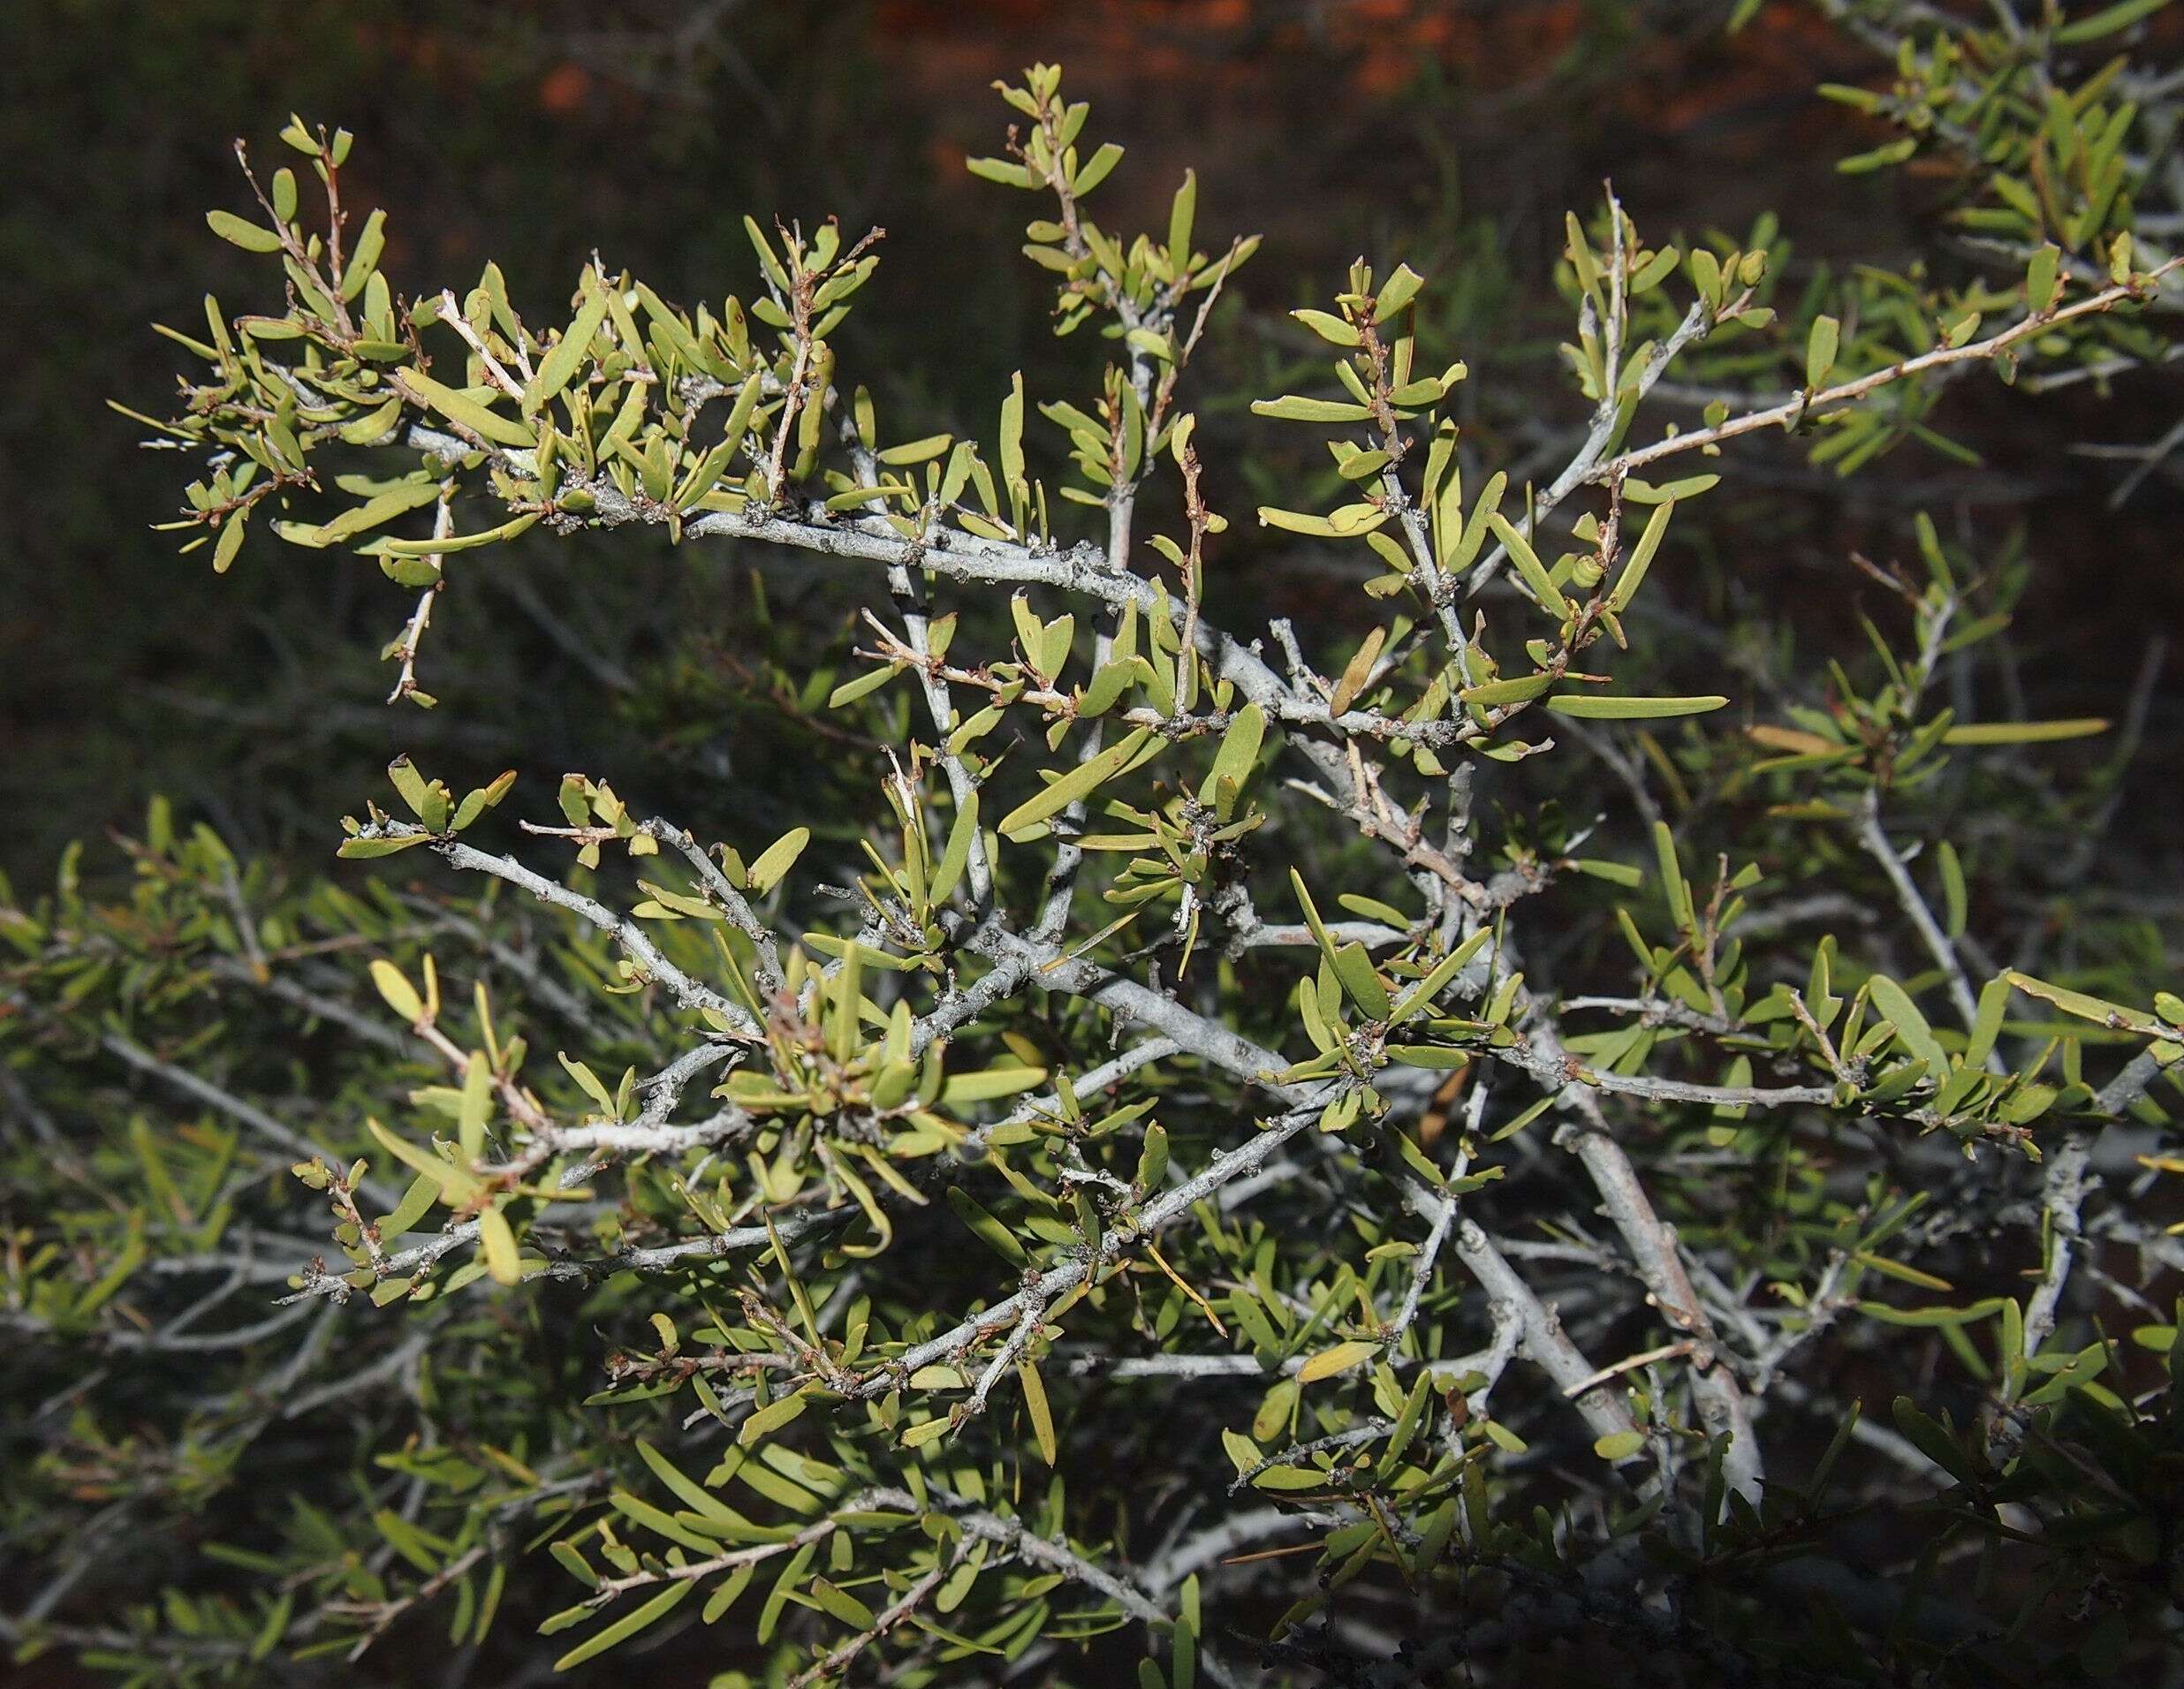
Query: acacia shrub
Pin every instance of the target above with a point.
(1385, 1157)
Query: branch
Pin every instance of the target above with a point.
(1791, 412)
(1697, 324)
(293, 1142)
(1876, 841)
(625, 932)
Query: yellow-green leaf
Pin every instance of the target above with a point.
(658, 1608)
(1041, 1415)
(770, 1419)
(778, 857)
(1596, 706)
(2023, 733)
(465, 411)
(401, 996)
(1340, 1359)
(1080, 782)
(2109, 1014)
(562, 363)
(499, 1238)
(241, 232)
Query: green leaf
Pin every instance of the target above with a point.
(770, 1419)
(364, 256)
(232, 530)
(1994, 998)
(1655, 271)
(1356, 672)
(381, 508)
(2023, 732)
(1895, 1004)
(1012, 431)
(725, 1593)
(1706, 274)
(465, 411)
(407, 1540)
(1900, 1271)
(1619, 1445)
(1673, 883)
(482, 798)
(1347, 523)
(1953, 889)
(1627, 583)
(1312, 914)
(1293, 408)
(1003, 171)
(850, 691)
(1930, 1439)
(987, 1229)
(1329, 327)
(993, 1082)
(353, 849)
(1581, 254)
(455, 1184)
(1441, 1057)
(572, 1561)
(1931, 1316)
(916, 451)
(1820, 349)
(956, 856)
(240, 232)
(1421, 995)
(2112, 1015)
(1458, 547)
(415, 790)
(401, 996)
(1396, 292)
(1879, 158)
(630, 1624)
(499, 1240)
(507, 530)
(474, 1106)
(1153, 1159)
(1041, 1415)
(1354, 968)
(560, 365)
(593, 1086)
(1527, 564)
(2043, 279)
(1181, 214)
(924, 1432)
(1236, 759)
(2106, 21)
(1080, 782)
(791, 1576)
(1520, 689)
(777, 859)
(1095, 170)
(696, 1497)
(1598, 707)
(838, 1603)
(1340, 1359)
(415, 1204)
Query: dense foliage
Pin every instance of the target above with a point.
(1577, 1120)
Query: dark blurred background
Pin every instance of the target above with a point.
(1452, 134)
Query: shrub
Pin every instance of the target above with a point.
(1359, 1155)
